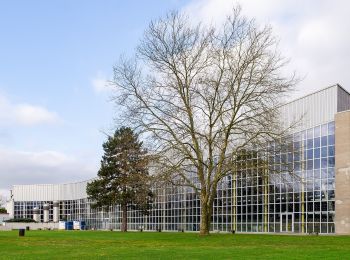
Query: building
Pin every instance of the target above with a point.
(316, 198)
(3, 217)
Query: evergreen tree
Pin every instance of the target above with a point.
(123, 177)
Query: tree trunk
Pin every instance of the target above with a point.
(205, 216)
(124, 227)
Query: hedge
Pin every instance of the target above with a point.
(25, 220)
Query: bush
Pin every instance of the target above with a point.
(25, 220)
(3, 211)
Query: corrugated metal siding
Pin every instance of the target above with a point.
(311, 110)
(50, 192)
(343, 100)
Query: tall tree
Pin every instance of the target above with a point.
(123, 177)
(203, 94)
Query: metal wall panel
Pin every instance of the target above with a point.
(50, 192)
(343, 100)
(311, 110)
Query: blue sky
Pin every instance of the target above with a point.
(51, 50)
(51, 53)
(56, 55)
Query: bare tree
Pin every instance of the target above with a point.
(203, 94)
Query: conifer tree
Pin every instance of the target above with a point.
(123, 177)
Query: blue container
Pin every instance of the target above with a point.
(69, 225)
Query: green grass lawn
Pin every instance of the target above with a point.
(146, 245)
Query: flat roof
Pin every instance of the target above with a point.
(317, 91)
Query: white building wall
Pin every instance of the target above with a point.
(32, 226)
(50, 192)
(9, 208)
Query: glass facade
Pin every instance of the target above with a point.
(252, 199)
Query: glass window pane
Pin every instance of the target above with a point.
(317, 164)
(331, 140)
(296, 156)
(317, 131)
(331, 128)
(330, 150)
(317, 142)
(324, 129)
(309, 164)
(317, 153)
(330, 172)
(309, 154)
(296, 145)
(309, 143)
(324, 152)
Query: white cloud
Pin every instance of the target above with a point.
(18, 167)
(24, 114)
(30, 115)
(100, 83)
(313, 34)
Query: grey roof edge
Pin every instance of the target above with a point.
(317, 91)
(51, 184)
(341, 87)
